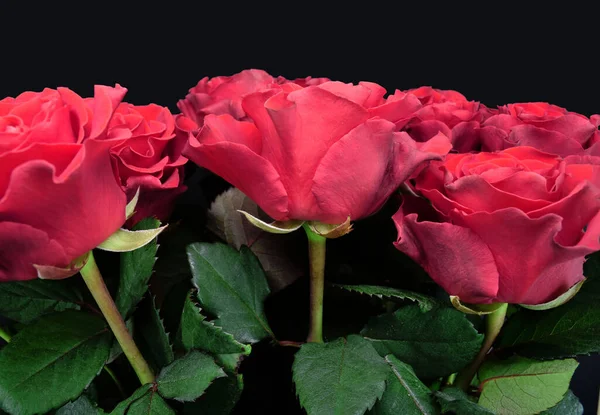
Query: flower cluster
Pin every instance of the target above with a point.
(502, 184)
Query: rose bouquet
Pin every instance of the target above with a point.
(295, 246)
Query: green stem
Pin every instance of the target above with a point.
(493, 325)
(316, 257)
(115, 379)
(93, 279)
(4, 335)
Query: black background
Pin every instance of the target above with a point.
(495, 53)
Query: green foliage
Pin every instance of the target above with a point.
(345, 376)
(195, 332)
(151, 337)
(232, 286)
(81, 406)
(569, 330)
(523, 386)
(220, 398)
(273, 251)
(405, 393)
(188, 377)
(569, 405)
(437, 343)
(454, 400)
(136, 270)
(54, 359)
(144, 401)
(424, 302)
(25, 301)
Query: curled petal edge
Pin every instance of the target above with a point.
(49, 272)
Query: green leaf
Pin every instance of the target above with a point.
(523, 386)
(220, 398)
(437, 343)
(195, 332)
(454, 400)
(425, 303)
(151, 337)
(54, 359)
(275, 252)
(232, 286)
(188, 377)
(123, 407)
(230, 362)
(405, 393)
(341, 377)
(25, 301)
(81, 406)
(569, 330)
(144, 401)
(136, 270)
(569, 405)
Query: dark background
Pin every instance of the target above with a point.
(495, 53)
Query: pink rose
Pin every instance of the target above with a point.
(541, 125)
(322, 153)
(448, 112)
(149, 157)
(224, 94)
(512, 226)
(59, 197)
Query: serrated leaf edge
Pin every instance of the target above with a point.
(193, 298)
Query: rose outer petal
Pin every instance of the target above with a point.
(526, 252)
(78, 209)
(21, 246)
(362, 169)
(453, 256)
(228, 152)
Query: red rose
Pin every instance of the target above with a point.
(318, 153)
(541, 125)
(59, 197)
(448, 112)
(150, 157)
(510, 224)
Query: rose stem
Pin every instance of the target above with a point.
(4, 335)
(93, 279)
(493, 325)
(316, 258)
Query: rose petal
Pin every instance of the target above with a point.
(544, 140)
(245, 169)
(87, 187)
(453, 256)
(526, 253)
(361, 170)
(21, 246)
